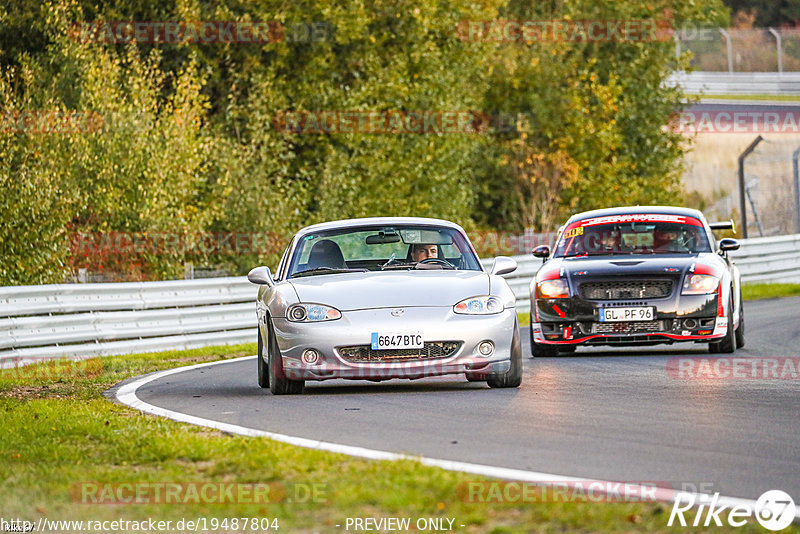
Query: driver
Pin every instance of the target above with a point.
(423, 252)
(610, 240)
(667, 241)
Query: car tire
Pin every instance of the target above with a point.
(728, 343)
(539, 350)
(513, 377)
(740, 329)
(263, 372)
(278, 383)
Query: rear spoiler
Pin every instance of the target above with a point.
(723, 225)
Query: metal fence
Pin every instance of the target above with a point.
(736, 83)
(82, 320)
(770, 193)
(741, 50)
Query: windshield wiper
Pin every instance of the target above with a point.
(397, 266)
(326, 270)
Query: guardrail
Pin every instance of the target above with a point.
(82, 320)
(737, 83)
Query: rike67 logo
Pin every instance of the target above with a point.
(774, 510)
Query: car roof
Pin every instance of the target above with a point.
(369, 221)
(628, 210)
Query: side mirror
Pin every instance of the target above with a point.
(542, 251)
(503, 265)
(261, 276)
(727, 244)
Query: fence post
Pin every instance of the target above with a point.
(742, 192)
(780, 56)
(796, 176)
(727, 37)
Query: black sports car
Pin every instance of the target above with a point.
(638, 275)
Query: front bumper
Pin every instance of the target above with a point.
(355, 328)
(575, 321)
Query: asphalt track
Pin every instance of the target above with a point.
(598, 414)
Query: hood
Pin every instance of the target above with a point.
(357, 291)
(633, 265)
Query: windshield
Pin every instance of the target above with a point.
(382, 248)
(633, 234)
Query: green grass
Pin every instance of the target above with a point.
(769, 291)
(60, 430)
(774, 98)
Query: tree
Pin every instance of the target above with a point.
(595, 111)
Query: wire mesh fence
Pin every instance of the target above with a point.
(769, 188)
(711, 177)
(745, 50)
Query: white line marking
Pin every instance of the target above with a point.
(127, 395)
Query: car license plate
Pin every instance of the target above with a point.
(641, 313)
(404, 340)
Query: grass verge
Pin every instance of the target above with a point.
(59, 432)
(773, 98)
(769, 291)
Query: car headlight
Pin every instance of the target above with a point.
(553, 289)
(479, 306)
(312, 313)
(699, 284)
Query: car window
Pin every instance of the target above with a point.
(281, 270)
(381, 248)
(633, 234)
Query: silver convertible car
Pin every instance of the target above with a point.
(382, 298)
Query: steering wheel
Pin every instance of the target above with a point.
(438, 261)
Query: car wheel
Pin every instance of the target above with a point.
(263, 372)
(278, 383)
(728, 343)
(513, 377)
(740, 329)
(539, 350)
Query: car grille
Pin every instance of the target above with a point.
(631, 327)
(626, 289)
(431, 351)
